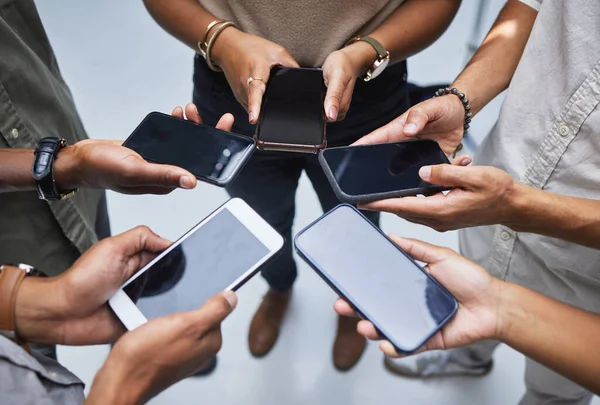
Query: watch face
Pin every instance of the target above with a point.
(379, 67)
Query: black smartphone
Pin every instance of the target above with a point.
(366, 173)
(293, 117)
(381, 282)
(212, 155)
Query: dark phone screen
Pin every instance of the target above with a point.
(293, 107)
(203, 264)
(403, 302)
(382, 168)
(204, 151)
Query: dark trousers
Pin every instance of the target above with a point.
(269, 181)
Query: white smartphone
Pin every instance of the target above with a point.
(221, 253)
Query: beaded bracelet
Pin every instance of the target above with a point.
(465, 102)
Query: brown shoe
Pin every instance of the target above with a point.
(349, 345)
(264, 328)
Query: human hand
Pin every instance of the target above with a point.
(340, 70)
(162, 352)
(483, 195)
(478, 294)
(441, 119)
(109, 165)
(72, 309)
(241, 56)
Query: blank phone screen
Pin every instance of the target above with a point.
(390, 290)
(204, 151)
(207, 262)
(293, 107)
(382, 168)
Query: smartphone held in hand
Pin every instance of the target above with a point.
(293, 117)
(220, 253)
(212, 155)
(381, 282)
(365, 173)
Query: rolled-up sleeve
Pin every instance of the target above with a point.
(535, 4)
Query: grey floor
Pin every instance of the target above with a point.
(120, 66)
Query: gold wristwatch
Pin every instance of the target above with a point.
(382, 61)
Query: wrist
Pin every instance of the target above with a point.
(67, 167)
(516, 207)
(509, 310)
(362, 56)
(471, 94)
(225, 45)
(37, 310)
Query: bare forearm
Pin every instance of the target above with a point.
(186, 20)
(574, 219)
(492, 67)
(559, 336)
(16, 165)
(414, 26)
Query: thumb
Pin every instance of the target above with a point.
(154, 174)
(416, 120)
(215, 310)
(452, 176)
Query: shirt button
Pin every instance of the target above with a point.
(564, 130)
(505, 235)
(15, 133)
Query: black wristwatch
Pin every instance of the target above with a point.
(42, 170)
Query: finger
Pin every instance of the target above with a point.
(144, 174)
(177, 112)
(226, 122)
(389, 350)
(256, 90)
(136, 240)
(343, 308)
(422, 251)
(417, 118)
(346, 101)
(428, 207)
(368, 330)
(192, 114)
(462, 161)
(391, 132)
(454, 176)
(336, 81)
(214, 311)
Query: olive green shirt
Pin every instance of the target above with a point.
(35, 102)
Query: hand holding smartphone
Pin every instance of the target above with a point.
(212, 155)
(365, 173)
(379, 280)
(220, 253)
(293, 116)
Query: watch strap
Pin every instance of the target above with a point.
(381, 51)
(43, 163)
(11, 278)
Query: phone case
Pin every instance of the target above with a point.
(289, 147)
(364, 198)
(342, 295)
(218, 183)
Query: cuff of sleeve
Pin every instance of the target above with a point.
(534, 4)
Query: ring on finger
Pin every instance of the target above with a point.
(251, 79)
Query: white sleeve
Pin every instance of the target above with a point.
(535, 4)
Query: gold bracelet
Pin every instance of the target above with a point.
(202, 42)
(211, 43)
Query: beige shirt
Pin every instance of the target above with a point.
(548, 136)
(309, 29)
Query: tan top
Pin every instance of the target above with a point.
(309, 29)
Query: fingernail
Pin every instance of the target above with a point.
(186, 183)
(466, 161)
(410, 128)
(333, 112)
(425, 173)
(251, 117)
(231, 298)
